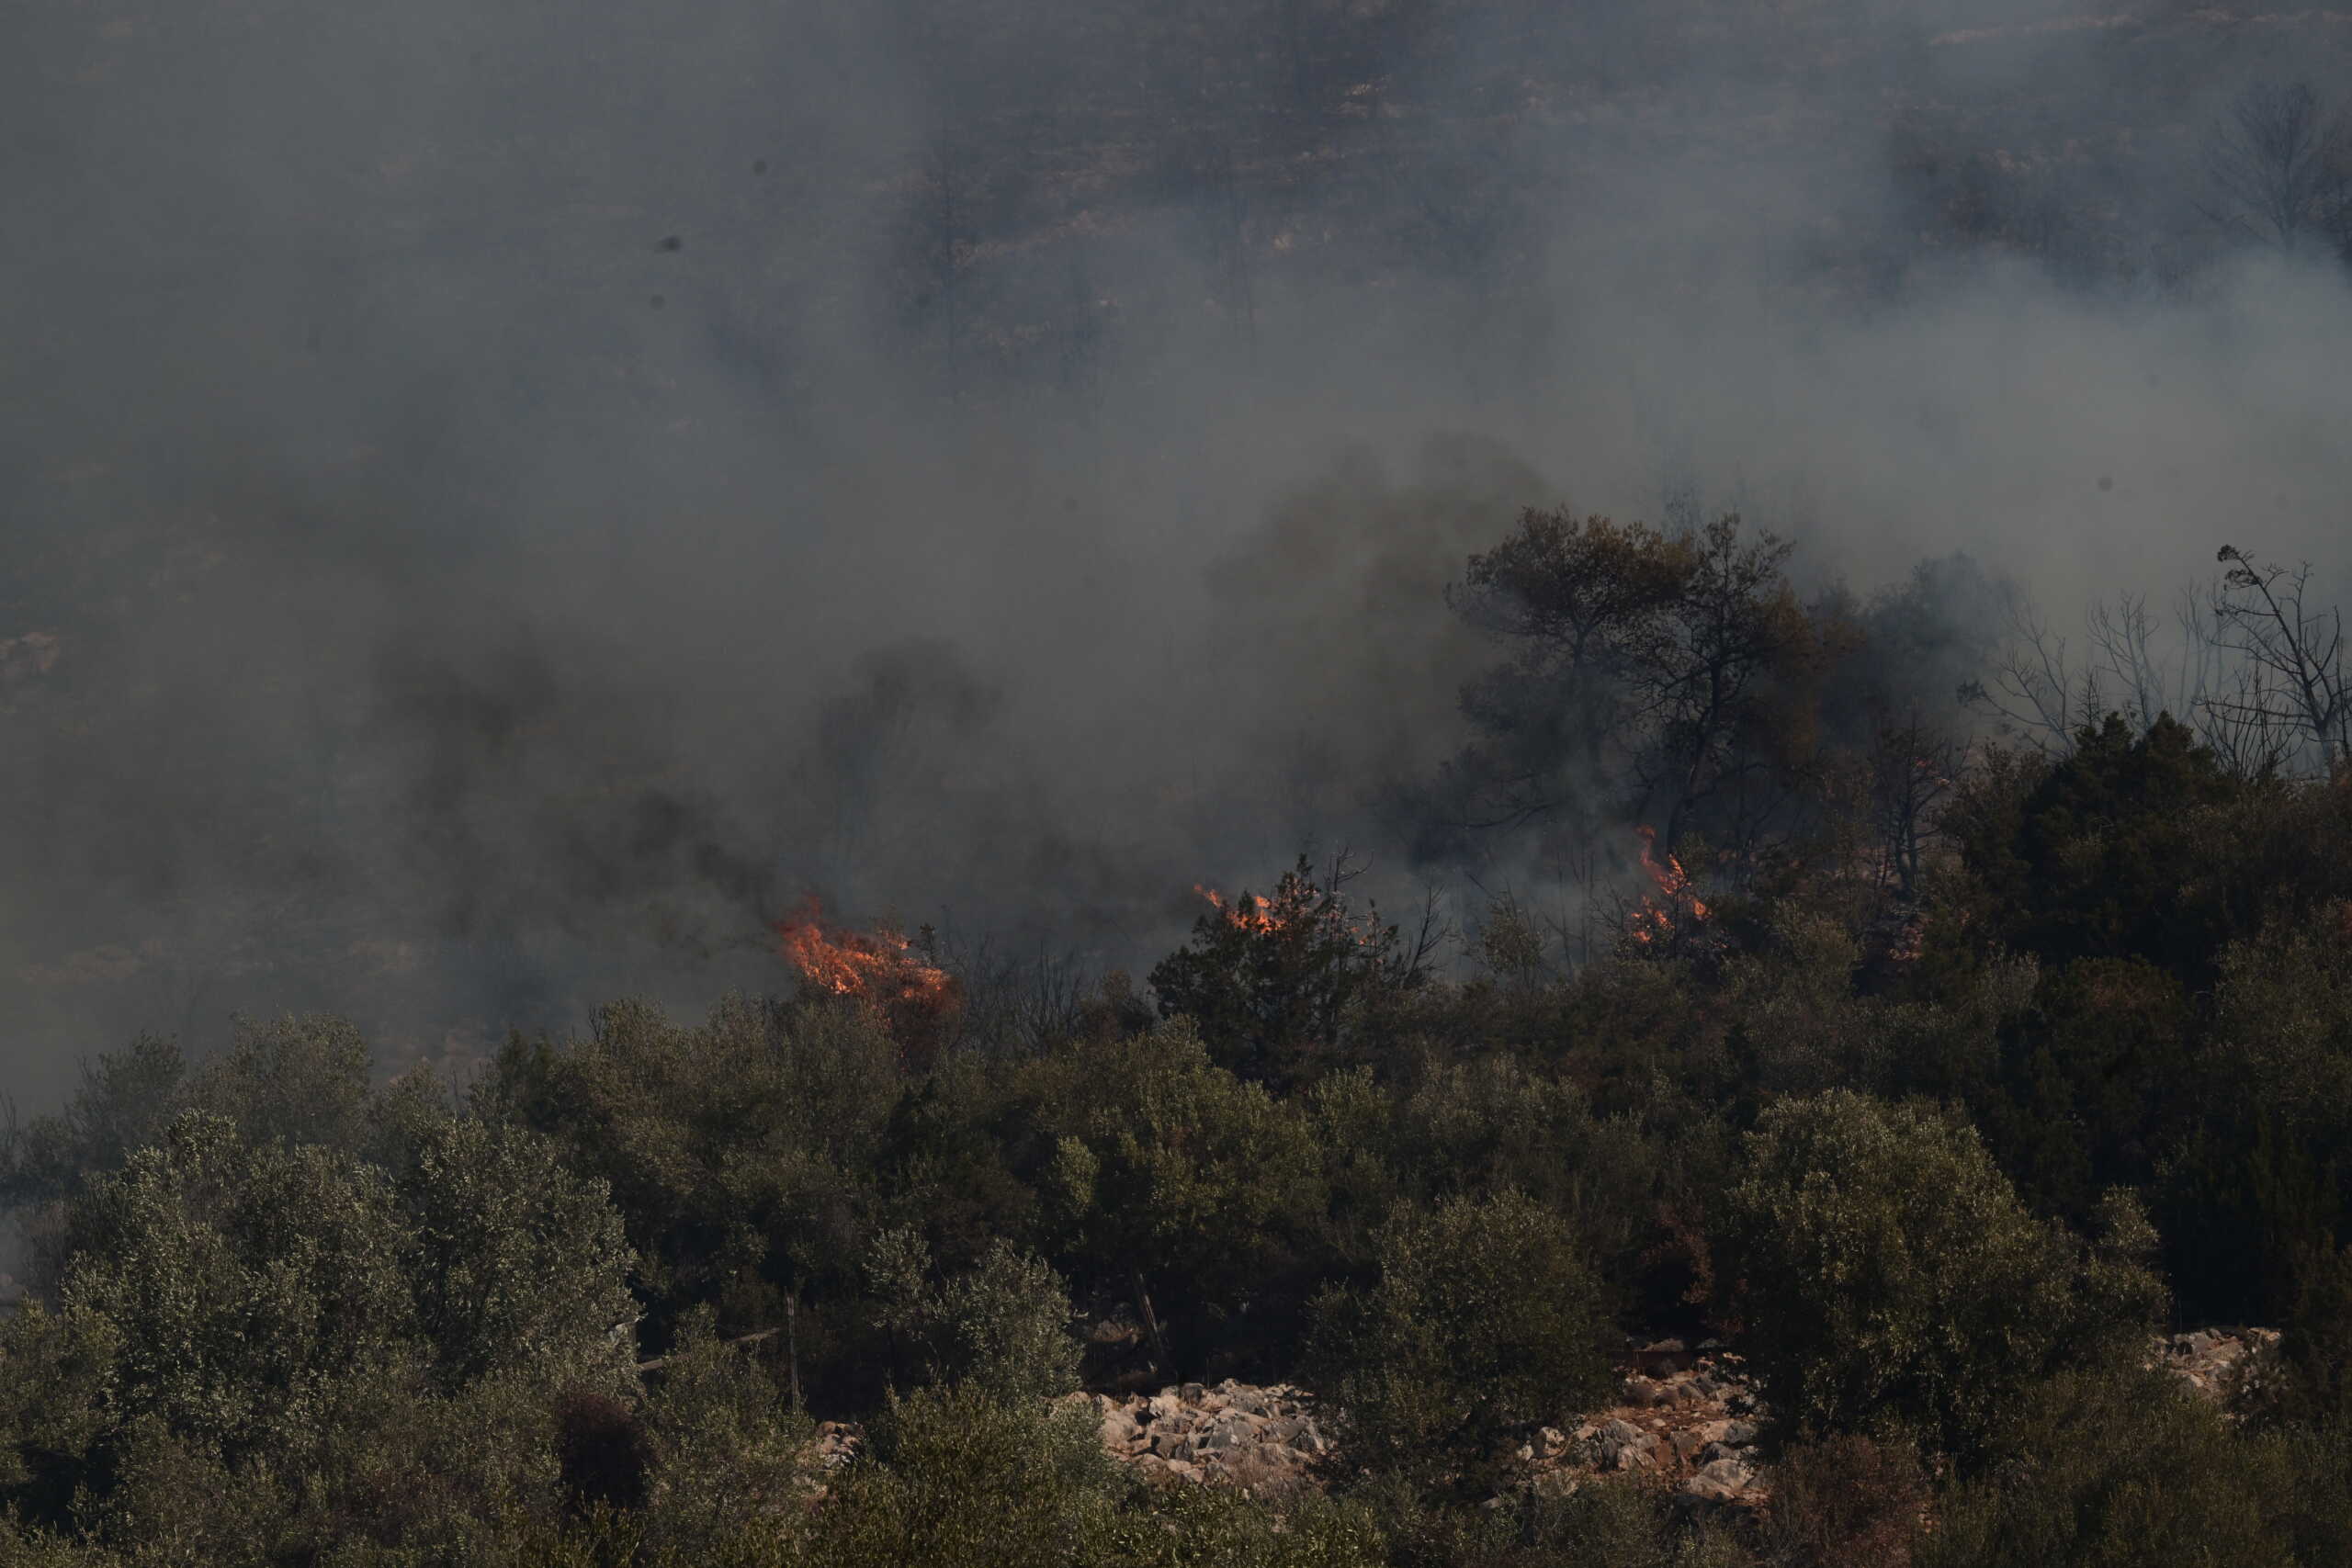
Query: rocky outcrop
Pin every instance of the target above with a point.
(1266, 1440)
(2216, 1362)
(839, 1443)
(1685, 1418)
(1691, 1420)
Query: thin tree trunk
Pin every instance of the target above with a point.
(792, 1341)
(1161, 1365)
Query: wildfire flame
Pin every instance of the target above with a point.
(1260, 915)
(1250, 912)
(1655, 920)
(878, 968)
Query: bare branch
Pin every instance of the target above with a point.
(2278, 168)
(2029, 694)
(2294, 654)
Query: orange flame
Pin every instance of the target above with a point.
(878, 968)
(1250, 912)
(1673, 881)
(1260, 915)
(1652, 922)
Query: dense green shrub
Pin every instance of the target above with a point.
(1890, 1280)
(57, 1381)
(2086, 856)
(2093, 1083)
(946, 1161)
(1170, 1175)
(1275, 985)
(122, 1104)
(1846, 1502)
(1617, 1524)
(965, 1479)
(1800, 1029)
(1485, 1318)
(741, 1153)
(1008, 1327)
(251, 1290)
(1495, 1123)
(2258, 1191)
(517, 1263)
(269, 1351)
(2118, 1467)
(1001, 1326)
(298, 1080)
(2282, 1027)
(731, 1465)
(399, 1472)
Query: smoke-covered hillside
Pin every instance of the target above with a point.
(504, 502)
(1354, 784)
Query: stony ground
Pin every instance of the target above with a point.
(1689, 1418)
(1266, 1439)
(2213, 1360)
(1686, 1417)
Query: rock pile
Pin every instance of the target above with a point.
(1684, 1418)
(1264, 1439)
(2215, 1361)
(839, 1443)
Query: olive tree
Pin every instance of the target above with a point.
(1891, 1279)
(247, 1287)
(1485, 1318)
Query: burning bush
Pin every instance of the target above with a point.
(1271, 982)
(1675, 905)
(918, 1002)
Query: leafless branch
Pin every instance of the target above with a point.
(2029, 693)
(1913, 767)
(2294, 653)
(2121, 638)
(2280, 167)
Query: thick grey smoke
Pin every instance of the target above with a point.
(501, 499)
